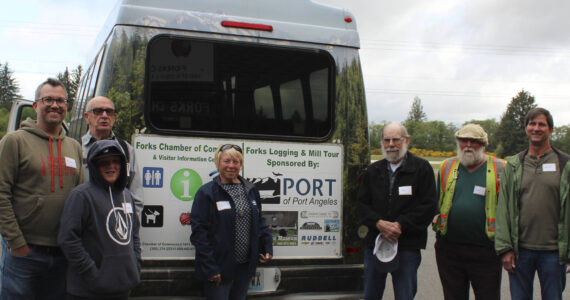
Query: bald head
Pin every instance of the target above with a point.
(395, 126)
(99, 101)
(100, 116)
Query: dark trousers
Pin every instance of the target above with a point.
(235, 289)
(404, 279)
(460, 265)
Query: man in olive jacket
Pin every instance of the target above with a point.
(533, 214)
(397, 198)
(39, 168)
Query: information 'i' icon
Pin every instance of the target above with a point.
(185, 183)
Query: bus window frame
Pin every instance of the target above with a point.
(87, 90)
(332, 67)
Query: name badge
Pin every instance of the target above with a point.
(405, 190)
(479, 190)
(551, 167)
(128, 208)
(223, 205)
(70, 162)
(254, 203)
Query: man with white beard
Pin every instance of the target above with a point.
(468, 187)
(396, 202)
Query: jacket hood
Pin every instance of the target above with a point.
(100, 149)
(31, 126)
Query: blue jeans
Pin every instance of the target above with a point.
(235, 289)
(36, 276)
(404, 279)
(551, 274)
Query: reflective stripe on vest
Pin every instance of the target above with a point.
(448, 178)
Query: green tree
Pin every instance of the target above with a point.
(8, 87)
(417, 133)
(352, 133)
(375, 134)
(433, 135)
(4, 116)
(491, 126)
(510, 134)
(561, 138)
(416, 111)
(126, 87)
(71, 82)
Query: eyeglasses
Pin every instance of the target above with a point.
(229, 146)
(394, 140)
(50, 101)
(99, 111)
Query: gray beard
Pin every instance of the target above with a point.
(470, 159)
(394, 158)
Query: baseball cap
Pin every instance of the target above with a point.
(111, 151)
(473, 131)
(384, 250)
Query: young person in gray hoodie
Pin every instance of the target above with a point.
(99, 231)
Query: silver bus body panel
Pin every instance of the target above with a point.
(291, 20)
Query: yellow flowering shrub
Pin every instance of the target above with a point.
(427, 153)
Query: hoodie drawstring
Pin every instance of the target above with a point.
(60, 163)
(121, 224)
(51, 163)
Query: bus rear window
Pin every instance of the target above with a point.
(216, 88)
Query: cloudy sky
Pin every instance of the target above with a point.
(464, 59)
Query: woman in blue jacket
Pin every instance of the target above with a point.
(228, 232)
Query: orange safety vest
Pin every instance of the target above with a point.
(448, 178)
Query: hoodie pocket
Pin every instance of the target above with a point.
(25, 210)
(117, 274)
(41, 215)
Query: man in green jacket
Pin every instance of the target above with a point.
(39, 168)
(533, 214)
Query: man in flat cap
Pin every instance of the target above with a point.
(468, 188)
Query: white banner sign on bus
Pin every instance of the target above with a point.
(300, 186)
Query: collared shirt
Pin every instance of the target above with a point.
(392, 174)
(540, 202)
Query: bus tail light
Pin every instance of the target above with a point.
(243, 25)
(350, 250)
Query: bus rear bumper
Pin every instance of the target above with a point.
(296, 281)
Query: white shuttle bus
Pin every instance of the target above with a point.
(283, 80)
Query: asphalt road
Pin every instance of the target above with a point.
(429, 286)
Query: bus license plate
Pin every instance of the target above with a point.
(265, 280)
